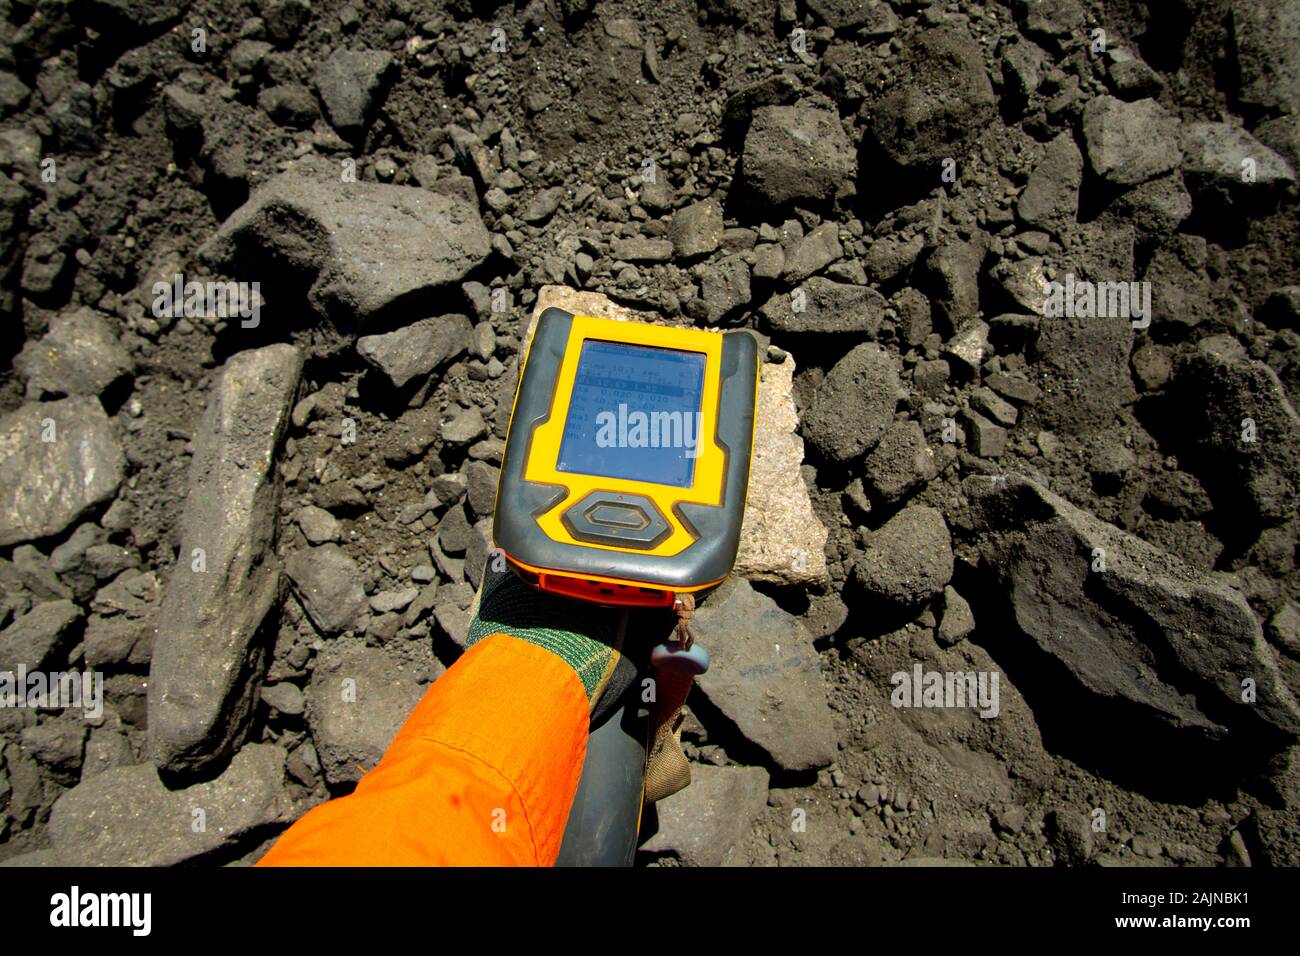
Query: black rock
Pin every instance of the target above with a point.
(909, 560)
(796, 153)
(417, 349)
(290, 104)
(820, 305)
(854, 405)
(352, 84)
(942, 99)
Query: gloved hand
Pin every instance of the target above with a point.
(587, 637)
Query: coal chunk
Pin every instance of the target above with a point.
(352, 84)
(854, 405)
(417, 349)
(796, 153)
(80, 355)
(942, 99)
(357, 699)
(909, 559)
(767, 677)
(58, 460)
(1129, 143)
(823, 305)
(328, 582)
(205, 669)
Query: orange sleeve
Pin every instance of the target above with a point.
(482, 773)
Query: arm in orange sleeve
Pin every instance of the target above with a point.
(482, 773)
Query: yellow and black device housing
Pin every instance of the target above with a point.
(627, 460)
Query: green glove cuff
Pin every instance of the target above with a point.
(584, 636)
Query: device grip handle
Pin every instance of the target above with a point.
(606, 814)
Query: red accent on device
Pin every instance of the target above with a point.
(605, 592)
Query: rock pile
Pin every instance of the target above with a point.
(1026, 283)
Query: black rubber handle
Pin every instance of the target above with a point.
(606, 813)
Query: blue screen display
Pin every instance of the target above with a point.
(634, 414)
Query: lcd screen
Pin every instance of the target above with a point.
(634, 414)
